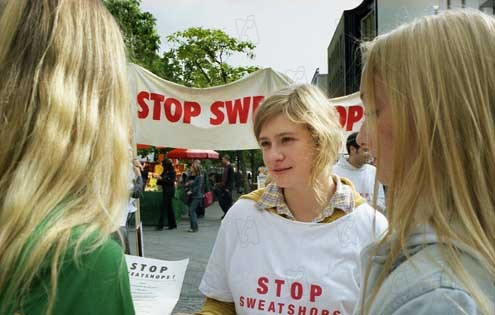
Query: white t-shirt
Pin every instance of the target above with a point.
(267, 264)
(362, 178)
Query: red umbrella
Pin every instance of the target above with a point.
(192, 154)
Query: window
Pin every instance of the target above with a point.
(488, 7)
(455, 4)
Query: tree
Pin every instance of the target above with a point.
(139, 29)
(199, 56)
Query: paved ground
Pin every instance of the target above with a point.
(179, 244)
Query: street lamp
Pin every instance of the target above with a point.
(488, 7)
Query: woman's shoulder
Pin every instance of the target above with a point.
(241, 208)
(425, 278)
(369, 220)
(91, 280)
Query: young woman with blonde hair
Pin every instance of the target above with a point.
(293, 247)
(429, 93)
(65, 122)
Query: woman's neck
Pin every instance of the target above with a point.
(303, 202)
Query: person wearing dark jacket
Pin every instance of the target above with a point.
(226, 186)
(195, 192)
(167, 181)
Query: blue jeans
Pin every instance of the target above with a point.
(193, 215)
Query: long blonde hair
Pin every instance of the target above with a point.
(65, 121)
(307, 105)
(438, 74)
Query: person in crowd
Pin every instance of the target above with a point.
(145, 172)
(195, 193)
(306, 228)
(64, 108)
(359, 172)
(428, 89)
(226, 187)
(136, 189)
(167, 180)
(201, 208)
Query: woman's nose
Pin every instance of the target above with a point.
(274, 154)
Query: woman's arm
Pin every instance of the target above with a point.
(215, 307)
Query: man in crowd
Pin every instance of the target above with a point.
(226, 187)
(359, 172)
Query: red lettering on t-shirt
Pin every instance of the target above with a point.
(296, 290)
(262, 285)
(261, 305)
(251, 302)
(279, 284)
(314, 291)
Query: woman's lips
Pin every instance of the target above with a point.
(280, 170)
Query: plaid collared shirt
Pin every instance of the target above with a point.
(343, 200)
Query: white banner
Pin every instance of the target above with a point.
(351, 112)
(155, 284)
(218, 118)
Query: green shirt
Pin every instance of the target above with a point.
(99, 285)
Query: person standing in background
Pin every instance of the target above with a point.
(195, 188)
(136, 189)
(201, 208)
(167, 181)
(359, 172)
(226, 186)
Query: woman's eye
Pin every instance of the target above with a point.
(286, 140)
(264, 144)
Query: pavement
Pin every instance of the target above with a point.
(179, 244)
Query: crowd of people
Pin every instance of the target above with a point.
(308, 242)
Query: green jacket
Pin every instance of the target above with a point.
(99, 285)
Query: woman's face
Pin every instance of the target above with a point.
(288, 151)
(383, 149)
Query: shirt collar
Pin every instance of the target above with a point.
(273, 198)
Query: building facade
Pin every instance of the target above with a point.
(343, 53)
(321, 81)
(374, 17)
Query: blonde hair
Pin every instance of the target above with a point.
(306, 104)
(438, 75)
(195, 169)
(65, 121)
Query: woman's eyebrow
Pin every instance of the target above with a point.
(281, 134)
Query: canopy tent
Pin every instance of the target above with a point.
(192, 154)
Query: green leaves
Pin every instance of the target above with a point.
(139, 29)
(200, 57)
